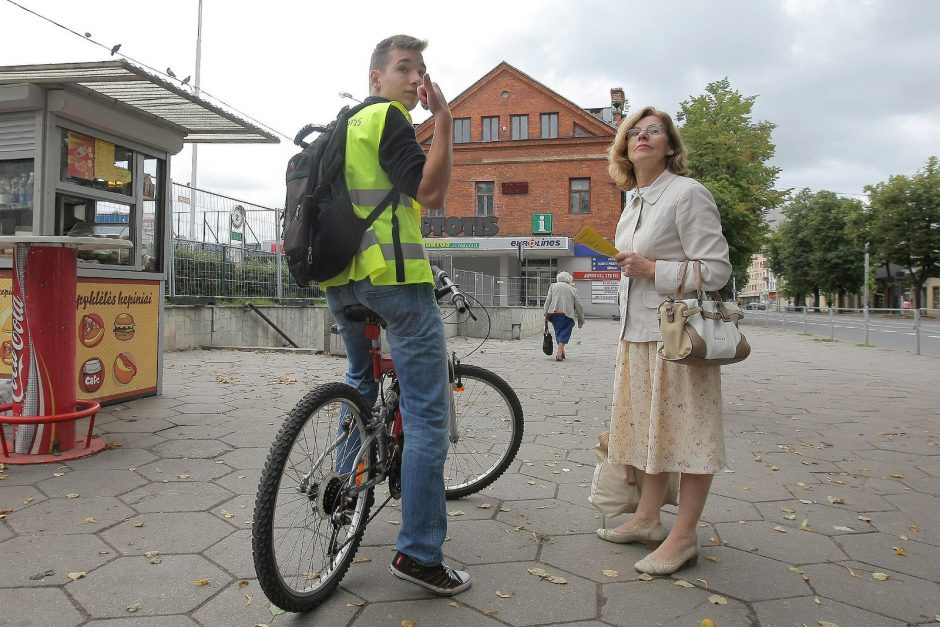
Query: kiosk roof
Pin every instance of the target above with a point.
(126, 86)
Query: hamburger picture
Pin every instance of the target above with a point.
(124, 326)
(91, 330)
(124, 368)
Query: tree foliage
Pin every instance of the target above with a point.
(904, 223)
(728, 154)
(812, 250)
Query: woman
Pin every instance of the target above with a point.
(562, 306)
(666, 417)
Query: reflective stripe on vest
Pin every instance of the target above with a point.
(368, 185)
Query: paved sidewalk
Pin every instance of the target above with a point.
(834, 452)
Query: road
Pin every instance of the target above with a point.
(884, 331)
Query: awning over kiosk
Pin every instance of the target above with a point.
(128, 87)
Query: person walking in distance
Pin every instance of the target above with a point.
(562, 306)
(391, 276)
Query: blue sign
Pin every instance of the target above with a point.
(604, 263)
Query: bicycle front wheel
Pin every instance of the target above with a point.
(309, 515)
(489, 432)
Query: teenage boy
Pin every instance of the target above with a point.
(391, 276)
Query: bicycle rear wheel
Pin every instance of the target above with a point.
(308, 520)
(489, 430)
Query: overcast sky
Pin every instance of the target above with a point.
(851, 84)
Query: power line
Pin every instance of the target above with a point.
(114, 50)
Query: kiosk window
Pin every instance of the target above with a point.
(152, 217)
(84, 217)
(16, 197)
(96, 163)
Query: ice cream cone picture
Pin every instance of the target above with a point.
(595, 241)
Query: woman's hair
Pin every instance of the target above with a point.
(564, 277)
(620, 168)
(403, 42)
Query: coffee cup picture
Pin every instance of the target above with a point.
(125, 369)
(124, 326)
(91, 330)
(91, 377)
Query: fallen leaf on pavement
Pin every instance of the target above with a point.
(780, 529)
(611, 573)
(485, 506)
(836, 500)
(503, 595)
(707, 622)
(712, 558)
(242, 584)
(136, 607)
(201, 582)
(89, 521)
(227, 514)
(683, 583)
(717, 599)
(899, 551)
(864, 519)
(409, 623)
(825, 623)
(879, 576)
(645, 577)
(75, 576)
(361, 559)
(275, 610)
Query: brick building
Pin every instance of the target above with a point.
(537, 163)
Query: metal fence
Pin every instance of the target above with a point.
(211, 259)
(852, 323)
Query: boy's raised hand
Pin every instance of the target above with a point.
(430, 95)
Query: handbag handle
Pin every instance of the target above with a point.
(680, 287)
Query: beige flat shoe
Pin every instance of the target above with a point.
(689, 557)
(652, 536)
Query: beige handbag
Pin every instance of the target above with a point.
(700, 331)
(616, 488)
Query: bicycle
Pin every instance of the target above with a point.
(317, 485)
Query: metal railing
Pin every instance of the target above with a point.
(919, 323)
(209, 261)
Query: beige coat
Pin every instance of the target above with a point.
(673, 220)
(563, 298)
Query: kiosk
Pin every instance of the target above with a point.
(84, 167)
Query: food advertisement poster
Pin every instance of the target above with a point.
(117, 333)
(81, 156)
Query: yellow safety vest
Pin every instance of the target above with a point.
(368, 185)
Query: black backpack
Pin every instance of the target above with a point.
(321, 230)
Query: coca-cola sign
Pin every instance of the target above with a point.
(19, 354)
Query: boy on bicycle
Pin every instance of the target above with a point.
(391, 276)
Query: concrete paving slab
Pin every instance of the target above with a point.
(835, 419)
(38, 607)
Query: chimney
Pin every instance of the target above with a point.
(618, 105)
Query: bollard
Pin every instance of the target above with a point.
(866, 325)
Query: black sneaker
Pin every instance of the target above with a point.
(438, 579)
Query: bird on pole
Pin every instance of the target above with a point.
(186, 80)
(115, 49)
(170, 73)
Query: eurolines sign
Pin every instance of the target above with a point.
(507, 244)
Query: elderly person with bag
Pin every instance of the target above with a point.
(666, 417)
(562, 306)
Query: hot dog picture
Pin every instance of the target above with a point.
(124, 368)
(124, 326)
(91, 330)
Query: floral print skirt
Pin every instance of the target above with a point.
(666, 417)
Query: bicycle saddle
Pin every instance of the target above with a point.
(361, 313)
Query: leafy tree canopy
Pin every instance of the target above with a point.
(728, 154)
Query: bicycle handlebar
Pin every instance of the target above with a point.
(449, 287)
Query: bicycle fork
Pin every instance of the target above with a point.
(456, 386)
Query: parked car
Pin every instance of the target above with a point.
(756, 306)
(792, 308)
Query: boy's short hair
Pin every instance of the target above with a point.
(402, 42)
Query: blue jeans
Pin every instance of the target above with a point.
(415, 334)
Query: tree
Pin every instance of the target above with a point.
(728, 154)
(905, 223)
(813, 250)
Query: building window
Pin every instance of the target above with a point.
(491, 129)
(520, 126)
(484, 190)
(549, 125)
(461, 130)
(580, 192)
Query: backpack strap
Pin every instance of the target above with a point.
(396, 242)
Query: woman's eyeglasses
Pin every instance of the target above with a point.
(651, 130)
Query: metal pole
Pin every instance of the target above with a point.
(865, 293)
(866, 326)
(917, 328)
(804, 317)
(277, 259)
(831, 324)
(192, 175)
